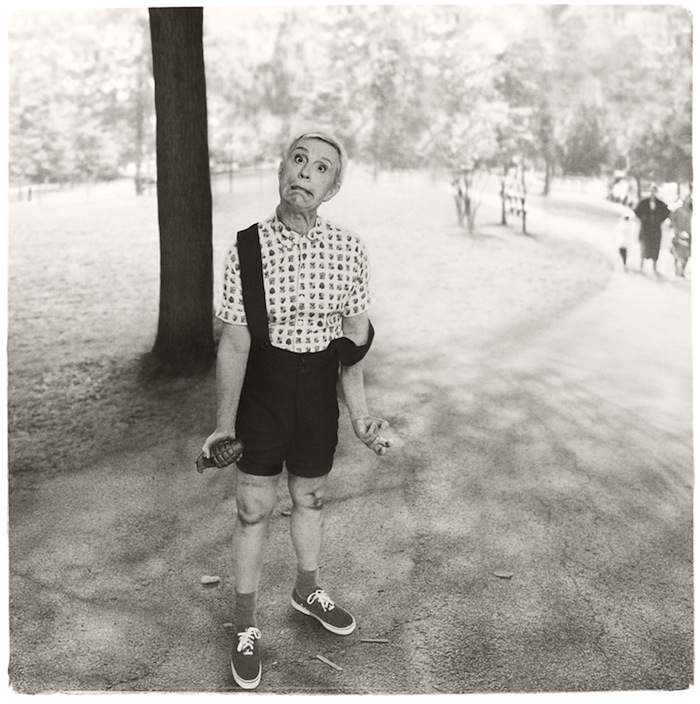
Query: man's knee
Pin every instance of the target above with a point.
(307, 493)
(255, 499)
(312, 499)
(249, 515)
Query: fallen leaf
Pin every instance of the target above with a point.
(502, 574)
(207, 579)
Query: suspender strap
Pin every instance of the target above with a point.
(250, 260)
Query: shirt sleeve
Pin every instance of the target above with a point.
(230, 308)
(361, 297)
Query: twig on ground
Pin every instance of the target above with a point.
(328, 662)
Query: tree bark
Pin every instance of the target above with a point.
(185, 340)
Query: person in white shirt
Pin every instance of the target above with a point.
(276, 389)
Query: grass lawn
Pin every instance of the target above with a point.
(83, 304)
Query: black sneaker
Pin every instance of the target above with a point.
(323, 609)
(245, 659)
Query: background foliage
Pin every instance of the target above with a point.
(574, 90)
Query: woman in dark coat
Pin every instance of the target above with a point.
(651, 213)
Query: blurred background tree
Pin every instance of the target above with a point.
(459, 90)
(80, 95)
(583, 90)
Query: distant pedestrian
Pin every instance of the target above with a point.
(625, 230)
(681, 221)
(652, 212)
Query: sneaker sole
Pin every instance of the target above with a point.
(333, 629)
(246, 684)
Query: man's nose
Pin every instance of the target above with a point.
(304, 170)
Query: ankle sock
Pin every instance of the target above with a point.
(307, 582)
(244, 610)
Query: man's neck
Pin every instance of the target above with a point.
(298, 221)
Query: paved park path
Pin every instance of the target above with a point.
(531, 531)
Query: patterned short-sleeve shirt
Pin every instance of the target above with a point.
(311, 283)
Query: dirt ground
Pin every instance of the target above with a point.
(528, 438)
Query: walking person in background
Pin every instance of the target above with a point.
(651, 212)
(625, 230)
(278, 364)
(681, 221)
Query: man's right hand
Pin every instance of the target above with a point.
(216, 437)
(222, 451)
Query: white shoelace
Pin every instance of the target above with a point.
(322, 598)
(246, 638)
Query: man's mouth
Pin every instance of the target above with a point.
(294, 187)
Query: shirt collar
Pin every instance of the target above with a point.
(290, 238)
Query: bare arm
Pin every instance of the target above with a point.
(231, 361)
(368, 428)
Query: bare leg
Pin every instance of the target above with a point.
(306, 522)
(255, 499)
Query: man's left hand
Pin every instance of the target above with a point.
(369, 429)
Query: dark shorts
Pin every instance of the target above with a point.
(288, 412)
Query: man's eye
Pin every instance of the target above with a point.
(298, 158)
(322, 167)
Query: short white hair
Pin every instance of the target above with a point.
(329, 139)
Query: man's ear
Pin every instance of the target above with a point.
(331, 193)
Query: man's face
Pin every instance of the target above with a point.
(307, 175)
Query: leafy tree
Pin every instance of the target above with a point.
(342, 76)
(73, 95)
(586, 147)
(235, 43)
(399, 83)
(459, 132)
(658, 140)
(527, 83)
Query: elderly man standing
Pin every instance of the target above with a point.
(295, 314)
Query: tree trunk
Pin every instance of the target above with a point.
(504, 217)
(523, 191)
(547, 177)
(185, 340)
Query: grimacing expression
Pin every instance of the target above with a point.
(307, 176)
